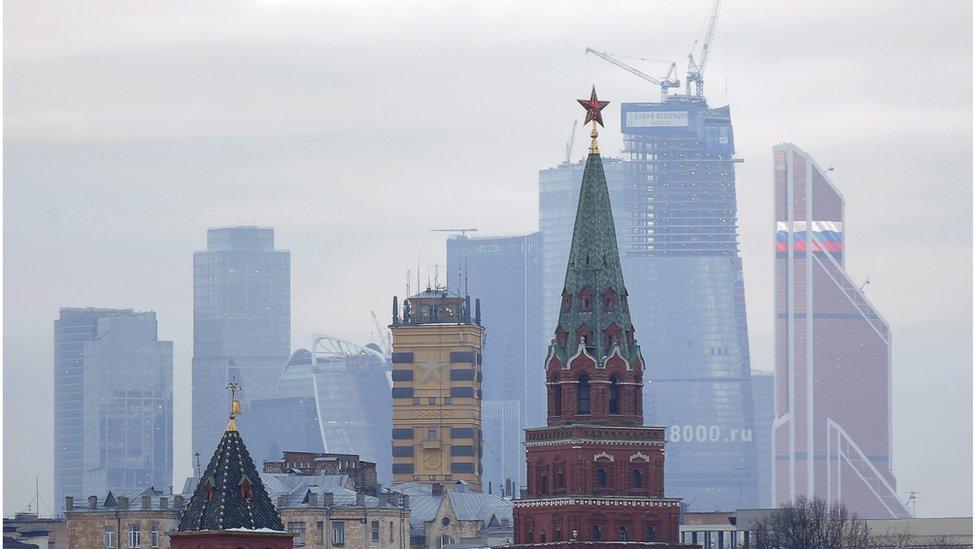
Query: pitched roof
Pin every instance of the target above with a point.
(219, 500)
(594, 265)
(468, 506)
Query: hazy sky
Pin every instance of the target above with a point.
(354, 128)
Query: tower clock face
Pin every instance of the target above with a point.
(432, 459)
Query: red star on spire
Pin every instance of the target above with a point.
(593, 107)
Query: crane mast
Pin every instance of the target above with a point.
(572, 139)
(665, 83)
(696, 69)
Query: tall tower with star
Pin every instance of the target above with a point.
(595, 472)
(437, 436)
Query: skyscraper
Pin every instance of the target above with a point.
(128, 386)
(241, 323)
(763, 410)
(833, 355)
(674, 206)
(437, 389)
(108, 365)
(506, 274)
(595, 473)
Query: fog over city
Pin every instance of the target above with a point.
(355, 128)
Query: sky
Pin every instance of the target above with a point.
(354, 128)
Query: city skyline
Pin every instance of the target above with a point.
(56, 174)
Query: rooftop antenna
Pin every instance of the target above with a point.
(408, 284)
(197, 456)
(866, 282)
(912, 500)
(437, 275)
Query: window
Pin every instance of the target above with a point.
(391, 530)
(585, 303)
(557, 400)
(622, 533)
(650, 533)
(583, 396)
(601, 478)
(338, 533)
(297, 528)
(320, 532)
(614, 396)
(135, 535)
(374, 528)
(154, 536)
(109, 537)
(445, 540)
(416, 401)
(635, 479)
(448, 400)
(432, 401)
(596, 532)
(432, 433)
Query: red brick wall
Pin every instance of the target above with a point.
(223, 541)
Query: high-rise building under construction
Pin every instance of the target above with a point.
(674, 207)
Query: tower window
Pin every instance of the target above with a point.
(635, 478)
(432, 433)
(601, 478)
(596, 532)
(557, 400)
(614, 396)
(622, 534)
(583, 396)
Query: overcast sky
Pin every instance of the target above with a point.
(354, 128)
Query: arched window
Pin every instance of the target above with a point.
(542, 536)
(557, 400)
(596, 532)
(635, 478)
(583, 396)
(622, 533)
(614, 395)
(601, 478)
(650, 533)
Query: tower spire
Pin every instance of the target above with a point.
(235, 405)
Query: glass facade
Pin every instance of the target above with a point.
(506, 272)
(241, 324)
(113, 402)
(833, 361)
(674, 204)
(762, 406)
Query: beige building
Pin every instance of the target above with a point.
(29, 528)
(367, 523)
(139, 519)
(437, 390)
(447, 515)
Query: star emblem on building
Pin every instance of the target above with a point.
(430, 370)
(593, 107)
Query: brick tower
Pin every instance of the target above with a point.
(595, 473)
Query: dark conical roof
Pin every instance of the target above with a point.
(230, 493)
(594, 269)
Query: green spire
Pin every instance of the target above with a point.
(594, 295)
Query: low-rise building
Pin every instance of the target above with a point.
(133, 518)
(363, 473)
(441, 516)
(31, 529)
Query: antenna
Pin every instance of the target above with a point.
(913, 500)
(437, 275)
(866, 282)
(408, 285)
(197, 456)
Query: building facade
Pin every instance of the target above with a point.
(437, 389)
(113, 402)
(506, 273)
(675, 214)
(241, 323)
(763, 387)
(595, 473)
(833, 355)
(137, 519)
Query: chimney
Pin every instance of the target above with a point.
(328, 499)
(437, 489)
(178, 502)
(123, 502)
(313, 499)
(146, 503)
(282, 501)
(164, 504)
(504, 523)
(92, 502)
(360, 499)
(69, 503)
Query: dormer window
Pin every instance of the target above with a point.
(586, 301)
(567, 301)
(609, 300)
(561, 336)
(245, 488)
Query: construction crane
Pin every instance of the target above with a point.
(383, 334)
(697, 68)
(667, 82)
(572, 139)
(462, 231)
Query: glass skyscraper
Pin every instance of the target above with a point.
(833, 355)
(506, 273)
(241, 324)
(113, 407)
(764, 411)
(674, 205)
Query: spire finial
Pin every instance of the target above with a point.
(593, 107)
(235, 405)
